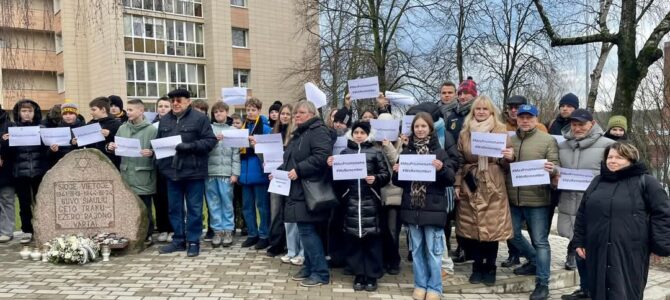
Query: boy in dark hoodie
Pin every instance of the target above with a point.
(100, 113)
(7, 195)
(30, 164)
(116, 108)
(70, 113)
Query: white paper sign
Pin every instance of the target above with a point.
(340, 144)
(88, 134)
(386, 129)
(349, 166)
(127, 147)
(364, 88)
(60, 136)
(511, 133)
(150, 116)
(415, 167)
(574, 179)
(156, 124)
(559, 138)
(272, 161)
(165, 147)
(400, 99)
(266, 143)
(234, 96)
(407, 125)
(488, 144)
(235, 138)
(315, 95)
(530, 172)
(24, 136)
(280, 184)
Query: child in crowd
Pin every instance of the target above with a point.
(237, 189)
(616, 128)
(100, 113)
(139, 172)
(163, 226)
(69, 112)
(116, 108)
(200, 105)
(273, 113)
(7, 196)
(224, 170)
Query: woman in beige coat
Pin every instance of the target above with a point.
(483, 217)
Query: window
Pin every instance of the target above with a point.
(240, 78)
(240, 37)
(145, 34)
(152, 79)
(59, 43)
(240, 3)
(180, 7)
(60, 81)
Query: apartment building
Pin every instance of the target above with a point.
(58, 49)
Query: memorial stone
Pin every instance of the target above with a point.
(85, 194)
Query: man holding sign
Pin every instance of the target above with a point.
(530, 204)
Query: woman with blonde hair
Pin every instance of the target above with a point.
(483, 216)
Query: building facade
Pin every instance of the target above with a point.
(58, 49)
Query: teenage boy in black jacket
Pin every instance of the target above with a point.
(100, 114)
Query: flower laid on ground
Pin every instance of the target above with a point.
(72, 249)
(110, 239)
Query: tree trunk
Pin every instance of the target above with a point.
(629, 78)
(596, 75)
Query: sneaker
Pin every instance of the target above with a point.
(300, 276)
(541, 292)
(309, 282)
(227, 239)
(148, 242)
(216, 240)
(171, 247)
(169, 237)
(297, 261)
(250, 242)
(359, 283)
(5, 238)
(209, 235)
(286, 259)
(262, 244)
(371, 284)
(578, 294)
(525, 270)
(162, 237)
(511, 262)
(26, 238)
(570, 262)
(193, 250)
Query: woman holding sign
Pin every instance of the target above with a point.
(483, 216)
(624, 217)
(424, 208)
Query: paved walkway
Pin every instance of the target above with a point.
(235, 273)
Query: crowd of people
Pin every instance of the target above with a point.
(614, 226)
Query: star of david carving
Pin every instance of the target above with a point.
(82, 163)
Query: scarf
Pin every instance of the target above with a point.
(245, 151)
(484, 126)
(418, 191)
(464, 109)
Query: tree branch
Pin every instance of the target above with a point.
(556, 40)
(650, 51)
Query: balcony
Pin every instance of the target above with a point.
(31, 59)
(45, 98)
(32, 19)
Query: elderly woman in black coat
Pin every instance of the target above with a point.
(624, 217)
(305, 159)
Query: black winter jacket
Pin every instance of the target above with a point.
(434, 212)
(29, 161)
(7, 168)
(362, 201)
(557, 125)
(54, 157)
(307, 153)
(197, 135)
(111, 124)
(621, 221)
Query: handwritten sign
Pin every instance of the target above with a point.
(386, 129)
(414, 167)
(234, 96)
(364, 88)
(530, 172)
(340, 144)
(60, 136)
(266, 143)
(272, 161)
(235, 138)
(88, 134)
(165, 147)
(280, 184)
(407, 125)
(24, 136)
(488, 144)
(349, 166)
(575, 179)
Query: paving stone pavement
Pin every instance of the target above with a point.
(229, 273)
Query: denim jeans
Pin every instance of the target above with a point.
(7, 214)
(315, 260)
(220, 200)
(191, 191)
(293, 242)
(256, 197)
(146, 199)
(427, 244)
(540, 255)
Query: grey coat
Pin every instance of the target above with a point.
(223, 161)
(586, 153)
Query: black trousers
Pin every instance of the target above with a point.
(483, 253)
(161, 205)
(237, 207)
(364, 255)
(277, 229)
(390, 223)
(336, 238)
(26, 191)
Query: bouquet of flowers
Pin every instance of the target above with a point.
(72, 249)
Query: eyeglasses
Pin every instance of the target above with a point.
(178, 99)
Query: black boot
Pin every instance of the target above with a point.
(489, 276)
(476, 276)
(541, 292)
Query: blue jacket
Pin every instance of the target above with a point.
(252, 165)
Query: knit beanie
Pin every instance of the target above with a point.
(618, 121)
(115, 100)
(569, 99)
(365, 126)
(343, 116)
(69, 107)
(275, 106)
(468, 86)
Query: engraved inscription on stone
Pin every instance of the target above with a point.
(87, 204)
